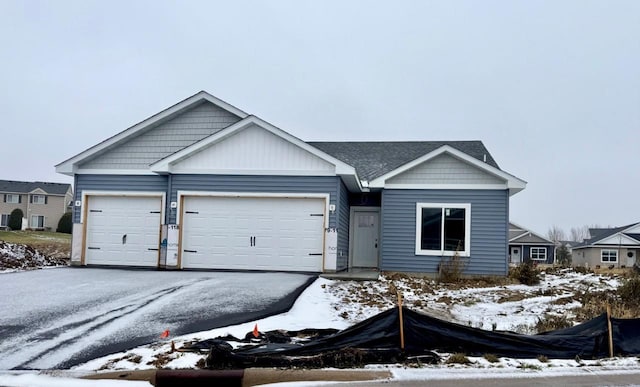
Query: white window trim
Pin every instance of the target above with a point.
(33, 199)
(467, 229)
(538, 249)
(17, 197)
(7, 216)
(609, 251)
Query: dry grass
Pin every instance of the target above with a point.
(458, 358)
(53, 244)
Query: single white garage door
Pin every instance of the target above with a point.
(253, 233)
(123, 230)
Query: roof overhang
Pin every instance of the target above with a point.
(70, 166)
(512, 183)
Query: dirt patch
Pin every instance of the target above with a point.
(23, 257)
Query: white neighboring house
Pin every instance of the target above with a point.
(616, 246)
(42, 204)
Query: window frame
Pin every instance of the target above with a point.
(7, 196)
(5, 216)
(538, 249)
(44, 220)
(37, 196)
(610, 255)
(466, 252)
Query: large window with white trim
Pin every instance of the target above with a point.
(609, 255)
(538, 253)
(443, 229)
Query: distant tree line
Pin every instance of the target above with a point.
(576, 234)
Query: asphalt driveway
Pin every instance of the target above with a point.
(57, 318)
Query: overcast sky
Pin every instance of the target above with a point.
(552, 88)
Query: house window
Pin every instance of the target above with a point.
(37, 221)
(443, 229)
(38, 199)
(12, 198)
(609, 255)
(539, 253)
(4, 220)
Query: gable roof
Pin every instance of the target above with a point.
(163, 165)
(517, 232)
(374, 159)
(68, 166)
(364, 161)
(600, 234)
(23, 187)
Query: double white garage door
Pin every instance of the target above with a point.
(247, 233)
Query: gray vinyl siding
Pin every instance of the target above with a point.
(165, 139)
(489, 230)
(445, 169)
(343, 227)
(250, 183)
(153, 183)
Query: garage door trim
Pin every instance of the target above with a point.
(86, 197)
(182, 194)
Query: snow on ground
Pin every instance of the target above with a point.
(71, 315)
(18, 257)
(339, 304)
(35, 380)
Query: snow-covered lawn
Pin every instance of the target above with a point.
(339, 304)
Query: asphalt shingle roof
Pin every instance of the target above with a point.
(27, 186)
(374, 159)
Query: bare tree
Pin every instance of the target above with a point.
(578, 234)
(556, 234)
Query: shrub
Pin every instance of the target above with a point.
(458, 358)
(491, 358)
(629, 292)
(543, 359)
(526, 274)
(450, 269)
(564, 256)
(552, 323)
(15, 219)
(65, 224)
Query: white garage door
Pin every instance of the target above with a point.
(253, 233)
(123, 230)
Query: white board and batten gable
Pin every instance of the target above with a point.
(619, 239)
(448, 168)
(254, 147)
(253, 150)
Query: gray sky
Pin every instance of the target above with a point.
(552, 88)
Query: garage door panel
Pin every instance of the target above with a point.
(284, 230)
(123, 230)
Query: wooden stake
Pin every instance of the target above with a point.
(609, 330)
(401, 320)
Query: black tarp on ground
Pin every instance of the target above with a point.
(423, 333)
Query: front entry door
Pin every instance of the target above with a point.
(515, 255)
(365, 239)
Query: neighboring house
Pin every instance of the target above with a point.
(42, 204)
(235, 192)
(527, 246)
(617, 247)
